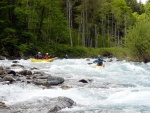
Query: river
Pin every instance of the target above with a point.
(120, 87)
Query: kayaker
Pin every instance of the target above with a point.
(96, 61)
(39, 56)
(66, 57)
(46, 56)
(100, 62)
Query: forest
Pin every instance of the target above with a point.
(79, 28)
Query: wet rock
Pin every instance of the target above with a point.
(34, 68)
(35, 76)
(146, 60)
(2, 105)
(43, 105)
(2, 76)
(83, 81)
(66, 102)
(2, 72)
(38, 72)
(66, 87)
(1, 68)
(4, 82)
(17, 65)
(15, 62)
(43, 77)
(87, 59)
(110, 60)
(55, 80)
(28, 76)
(29, 81)
(11, 72)
(2, 57)
(9, 78)
(25, 72)
(55, 109)
(1, 79)
(41, 82)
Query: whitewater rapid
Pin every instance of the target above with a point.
(120, 87)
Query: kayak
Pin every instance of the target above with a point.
(99, 67)
(102, 66)
(41, 60)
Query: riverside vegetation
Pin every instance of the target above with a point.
(78, 28)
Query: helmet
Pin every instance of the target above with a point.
(39, 52)
(46, 53)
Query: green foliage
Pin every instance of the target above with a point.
(79, 51)
(23, 49)
(29, 26)
(138, 40)
(135, 6)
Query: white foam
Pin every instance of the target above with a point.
(127, 83)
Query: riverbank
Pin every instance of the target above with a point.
(76, 52)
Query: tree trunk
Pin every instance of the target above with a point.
(83, 28)
(70, 20)
(125, 27)
(102, 30)
(115, 34)
(41, 23)
(96, 37)
(108, 31)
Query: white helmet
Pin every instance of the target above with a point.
(46, 53)
(39, 52)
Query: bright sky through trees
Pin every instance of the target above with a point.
(143, 1)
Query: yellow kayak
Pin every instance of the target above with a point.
(99, 66)
(102, 66)
(41, 60)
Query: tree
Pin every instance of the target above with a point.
(138, 40)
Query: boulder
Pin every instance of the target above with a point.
(11, 72)
(2, 72)
(1, 68)
(65, 87)
(2, 58)
(83, 81)
(55, 109)
(42, 105)
(17, 66)
(41, 82)
(2, 105)
(55, 80)
(25, 72)
(15, 61)
(43, 77)
(9, 78)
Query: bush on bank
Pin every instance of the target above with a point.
(75, 52)
(83, 52)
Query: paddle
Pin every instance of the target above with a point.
(90, 63)
(94, 62)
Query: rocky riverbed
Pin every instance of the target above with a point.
(10, 75)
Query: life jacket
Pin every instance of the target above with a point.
(100, 62)
(38, 56)
(46, 57)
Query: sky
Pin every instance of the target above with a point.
(143, 1)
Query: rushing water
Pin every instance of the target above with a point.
(120, 87)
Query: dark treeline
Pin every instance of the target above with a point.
(29, 26)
